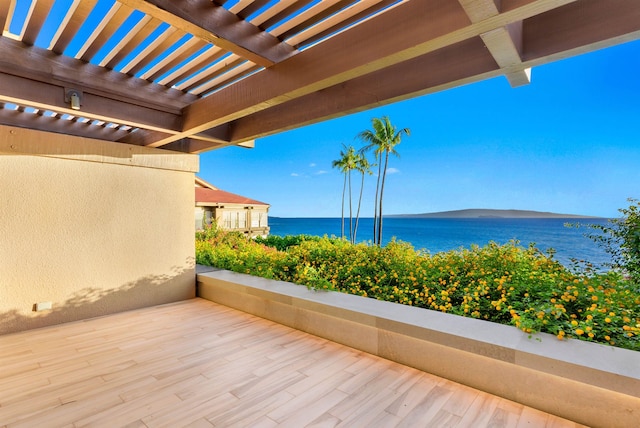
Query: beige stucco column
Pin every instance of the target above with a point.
(91, 227)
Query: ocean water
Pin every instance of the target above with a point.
(436, 235)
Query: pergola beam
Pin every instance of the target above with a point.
(46, 96)
(504, 43)
(455, 65)
(44, 66)
(215, 24)
(563, 38)
(600, 24)
(349, 55)
(59, 126)
(441, 44)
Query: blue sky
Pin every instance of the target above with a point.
(569, 142)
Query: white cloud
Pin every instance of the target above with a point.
(322, 172)
(295, 174)
(312, 165)
(392, 170)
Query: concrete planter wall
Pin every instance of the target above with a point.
(592, 384)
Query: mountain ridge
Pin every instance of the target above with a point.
(490, 213)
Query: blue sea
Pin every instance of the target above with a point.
(436, 235)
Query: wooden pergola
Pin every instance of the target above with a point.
(196, 75)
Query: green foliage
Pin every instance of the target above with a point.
(620, 238)
(282, 243)
(508, 284)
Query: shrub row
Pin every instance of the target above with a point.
(508, 284)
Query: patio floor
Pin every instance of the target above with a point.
(199, 364)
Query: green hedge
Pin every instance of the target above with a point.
(508, 284)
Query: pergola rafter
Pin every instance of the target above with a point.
(218, 26)
(197, 75)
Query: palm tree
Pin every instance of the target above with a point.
(383, 140)
(363, 167)
(346, 164)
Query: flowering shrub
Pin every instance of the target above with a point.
(507, 284)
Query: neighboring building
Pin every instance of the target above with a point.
(230, 211)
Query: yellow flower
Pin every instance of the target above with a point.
(574, 323)
(594, 298)
(607, 320)
(579, 332)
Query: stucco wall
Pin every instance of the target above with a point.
(91, 229)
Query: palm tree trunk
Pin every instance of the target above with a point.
(355, 229)
(375, 205)
(384, 176)
(350, 211)
(344, 188)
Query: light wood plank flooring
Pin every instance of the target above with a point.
(199, 364)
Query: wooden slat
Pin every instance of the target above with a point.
(136, 36)
(286, 12)
(305, 17)
(253, 7)
(111, 26)
(12, 7)
(4, 12)
(195, 65)
(197, 363)
(205, 74)
(59, 126)
(121, 47)
(344, 18)
(223, 75)
(271, 12)
(356, 12)
(73, 23)
(38, 16)
(90, 37)
(317, 17)
(237, 73)
(189, 48)
(240, 6)
(217, 25)
(63, 23)
(172, 36)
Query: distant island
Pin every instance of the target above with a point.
(489, 213)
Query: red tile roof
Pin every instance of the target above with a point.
(204, 195)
